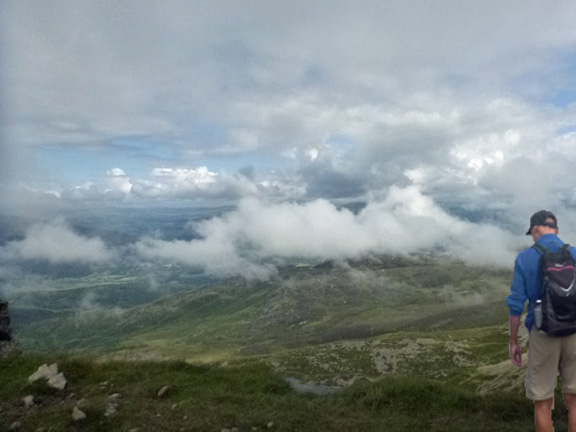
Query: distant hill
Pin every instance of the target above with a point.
(328, 323)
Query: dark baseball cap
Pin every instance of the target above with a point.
(541, 218)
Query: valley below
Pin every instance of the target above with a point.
(320, 329)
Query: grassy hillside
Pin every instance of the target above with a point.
(406, 344)
(302, 306)
(244, 398)
(324, 324)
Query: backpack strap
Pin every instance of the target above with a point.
(541, 249)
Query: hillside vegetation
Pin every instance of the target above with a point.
(242, 398)
(325, 324)
(393, 344)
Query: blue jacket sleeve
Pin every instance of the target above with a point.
(517, 298)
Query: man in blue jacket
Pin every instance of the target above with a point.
(547, 355)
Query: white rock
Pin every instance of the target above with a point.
(270, 425)
(28, 401)
(58, 382)
(115, 398)
(15, 426)
(45, 372)
(78, 415)
(110, 409)
(163, 391)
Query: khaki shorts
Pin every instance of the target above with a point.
(549, 357)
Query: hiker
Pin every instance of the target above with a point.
(548, 355)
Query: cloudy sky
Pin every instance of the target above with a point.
(467, 106)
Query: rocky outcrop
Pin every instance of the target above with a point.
(50, 374)
(5, 331)
(8, 346)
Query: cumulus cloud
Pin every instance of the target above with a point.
(452, 122)
(57, 243)
(460, 89)
(248, 240)
(193, 183)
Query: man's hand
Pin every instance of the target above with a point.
(515, 352)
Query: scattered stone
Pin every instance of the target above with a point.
(44, 372)
(114, 401)
(270, 425)
(134, 430)
(110, 409)
(28, 401)
(15, 426)
(164, 391)
(234, 429)
(78, 415)
(81, 402)
(58, 381)
(49, 373)
(115, 398)
(225, 430)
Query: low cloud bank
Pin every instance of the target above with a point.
(57, 243)
(257, 235)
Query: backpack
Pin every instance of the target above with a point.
(555, 310)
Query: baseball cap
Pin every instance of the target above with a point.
(540, 218)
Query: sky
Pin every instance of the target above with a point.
(444, 117)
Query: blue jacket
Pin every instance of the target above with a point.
(526, 280)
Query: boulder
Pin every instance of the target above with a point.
(44, 372)
(58, 381)
(50, 374)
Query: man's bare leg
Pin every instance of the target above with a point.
(570, 399)
(543, 415)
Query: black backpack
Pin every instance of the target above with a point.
(555, 311)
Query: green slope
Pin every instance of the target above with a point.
(247, 398)
(307, 313)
